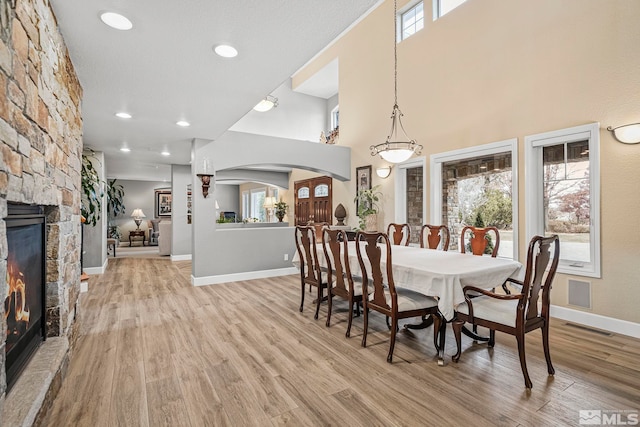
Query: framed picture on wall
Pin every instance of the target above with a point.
(163, 203)
(363, 181)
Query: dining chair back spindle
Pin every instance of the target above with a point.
(431, 237)
(399, 234)
(479, 240)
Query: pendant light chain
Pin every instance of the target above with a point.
(397, 148)
(395, 52)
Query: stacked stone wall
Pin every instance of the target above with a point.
(40, 153)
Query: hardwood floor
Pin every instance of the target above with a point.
(156, 351)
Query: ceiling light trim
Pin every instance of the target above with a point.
(116, 21)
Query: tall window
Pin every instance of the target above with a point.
(563, 194)
(411, 21)
(257, 204)
(410, 203)
(477, 187)
(246, 205)
(335, 117)
(442, 7)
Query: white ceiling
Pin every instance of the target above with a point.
(165, 70)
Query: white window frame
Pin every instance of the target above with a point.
(401, 187)
(335, 117)
(534, 191)
(246, 204)
(253, 191)
(465, 153)
(412, 5)
(437, 7)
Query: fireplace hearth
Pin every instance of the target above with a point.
(24, 306)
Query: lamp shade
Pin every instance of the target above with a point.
(397, 155)
(137, 213)
(269, 202)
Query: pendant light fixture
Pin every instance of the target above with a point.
(398, 147)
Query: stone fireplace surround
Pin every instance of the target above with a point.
(40, 163)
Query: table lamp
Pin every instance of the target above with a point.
(137, 216)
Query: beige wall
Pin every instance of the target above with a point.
(492, 70)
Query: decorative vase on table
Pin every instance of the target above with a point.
(280, 215)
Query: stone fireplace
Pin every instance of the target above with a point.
(40, 165)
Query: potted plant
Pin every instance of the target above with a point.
(281, 210)
(367, 202)
(115, 207)
(91, 191)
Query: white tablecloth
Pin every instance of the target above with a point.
(435, 273)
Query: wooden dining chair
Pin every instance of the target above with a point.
(479, 240)
(394, 302)
(432, 235)
(336, 252)
(516, 314)
(318, 227)
(399, 234)
(310, 272)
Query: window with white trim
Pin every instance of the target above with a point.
(476, 186)
(257, 204)
(246, 205)
(411, 21)
(442, 7)
(335, 117)
(563, 194)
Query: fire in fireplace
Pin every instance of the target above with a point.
(24, 305)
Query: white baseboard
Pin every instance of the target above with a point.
(610, 324)
(97, 270)
(236, 277)
(186, 257)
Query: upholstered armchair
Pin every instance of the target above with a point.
(154, 231)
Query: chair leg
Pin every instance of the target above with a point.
(545, 345)
(358, 308)
(492, 338)
(365, 313)
(523, 361)
(457, 325)
(329, 304)
(319, 301)
(436, 332)
(388, 324)
(302, 298)
(348, 333)
(394, 330)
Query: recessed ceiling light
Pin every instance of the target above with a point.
(123, 115)
(226, 51)
(117, 21)
(165, 153)
(125, 149)
(183, 123)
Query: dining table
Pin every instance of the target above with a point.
(436, 273)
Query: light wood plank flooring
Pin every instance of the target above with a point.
(156, 351)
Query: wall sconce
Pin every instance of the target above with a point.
(627, 134)
(205, 176)
(383, 172)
